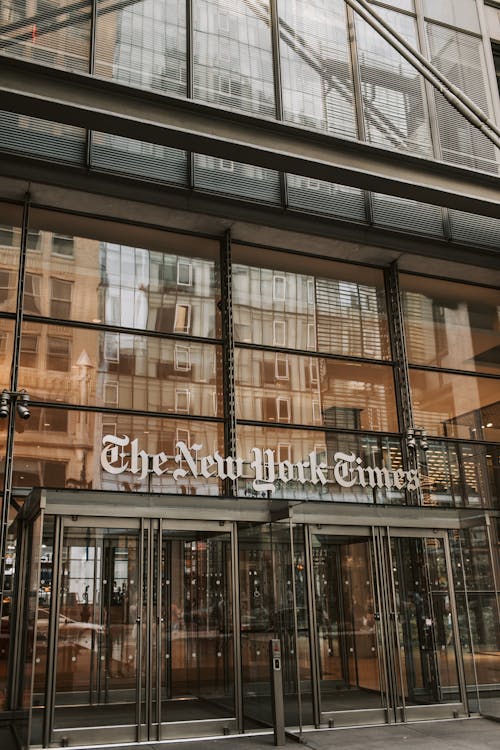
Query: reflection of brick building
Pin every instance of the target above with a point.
(259, 325)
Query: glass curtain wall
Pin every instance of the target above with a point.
(312, 363)
(453, 337)
(318, 65)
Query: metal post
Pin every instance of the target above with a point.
(226, 305)
(278, 706)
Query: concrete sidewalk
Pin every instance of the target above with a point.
(457, 734)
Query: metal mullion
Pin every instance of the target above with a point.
(431, 107)
(295, 623)
(149, 622)
(48, 725)
(385, 624)
(190, 80)
(313, 354)
(228, 376)
(313, 626)
(16, 354)
(278, 88)
(358, 99)
(398, 663)
(493, 548)
(159, 624)
(469, 625)
(236, 623)
(382, 656)
(456, 630)
(138, 621)
(92, 45)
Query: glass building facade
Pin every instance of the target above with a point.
(238, 403)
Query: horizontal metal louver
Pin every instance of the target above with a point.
(460, 58)
(350, 319)
(411, 216)
(47, 32)
(232, 54)
(393, 93)
(234, 178)
(43, 138)
(143, 43)
(321, 197)
(128, 156)
(316, 74)
(479, 230)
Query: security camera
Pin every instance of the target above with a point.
(4, 404)
(22, 406)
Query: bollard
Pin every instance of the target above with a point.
(275, 665)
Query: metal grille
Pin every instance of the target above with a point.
(235, 178)
(421, 218)
(117, 154)
(41, 137)
(479, 230)
(460, 58)
(325, 197)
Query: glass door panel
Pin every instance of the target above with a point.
(347, 621)
(96, 628)
(196, 648)
(425, 621)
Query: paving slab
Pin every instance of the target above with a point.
(457, 734)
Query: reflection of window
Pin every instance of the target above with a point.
(182, 399)
(47, 420)
(3, 342)
(310, 291)
(111, 394)
(281, 367)
(316, 412)
(6, 236)
(284, 452)
(311, 336)
(279, 333)
(4, 285)
(184, 273)
(108, 428)
(33, 241)
(111, 347)
(226, 165)
(32, 294)
(283, 408)
(63, 244)
(60, 298)
(279, 288)
(58, 353)
(182, 358)
(29, 350)
(182, 319)
(182, 436)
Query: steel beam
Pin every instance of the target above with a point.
(110, 107)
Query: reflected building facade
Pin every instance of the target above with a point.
(262, 405)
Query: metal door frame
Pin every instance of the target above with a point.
(146, 727)
(394, 708)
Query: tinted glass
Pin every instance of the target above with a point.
(451, 325)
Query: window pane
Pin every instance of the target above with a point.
(121, 370)
(451, 325)
(318, 391)
(112, 278)
(295, 446)
(48, 32)
(456, 405)
(327, 307)
(63, 448)
(143, 44)
(233, 60)
(315, 66)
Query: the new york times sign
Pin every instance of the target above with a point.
(123, 455)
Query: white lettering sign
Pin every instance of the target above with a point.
(189, 461)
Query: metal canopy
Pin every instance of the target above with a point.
(88, 102)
